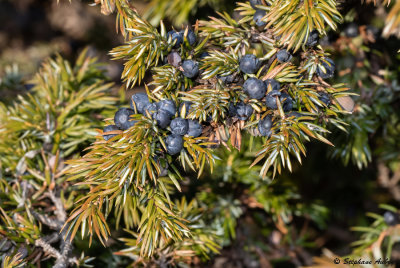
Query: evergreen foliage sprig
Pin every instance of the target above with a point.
(38, 131)
(293, 21)
(144, 49)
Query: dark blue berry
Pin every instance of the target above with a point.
(249, 64)
(284, 98)
(283, 56)
(286, 101)
(264, 126)
(324, 97)
(195, 128)
(5, 244)
(275, 85)
(255, 3)
(190, 68)
(229, 79)
(232, 110)
(391, 218)
(258, 18)
(244, 111)
(372, 30)
(140, 100)
(122, 118)
(351, 30)
(270, 99)
(179, 126)
(191, 37)
(174, 59)
(29, 86)
(163, 119)
(329, 71)
(174, 144)
(255, 88)
(150, 108)
(167, 106)
(313, 38)
(108, 129)
(176, 38)
(204, 54)
(23, 252)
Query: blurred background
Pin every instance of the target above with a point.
(339, 184)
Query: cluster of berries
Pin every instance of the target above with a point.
(164, 113)
(268, 91)
(189, 68)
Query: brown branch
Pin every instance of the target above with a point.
(52, 223)
(66, 249)
(62, 256)
(47, 248)
(62, 259)
(60, 211)
(389, 182)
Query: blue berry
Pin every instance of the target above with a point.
(286, 101)
(5, 244)
(373, 31)
(244, 111)
(174, 144)
(108, 129)
(325, 98)
(179, 126)
(284, 98)
(249, 64)
(140, 100)
(122, 118)
(195, 128)
(258, 18)
(163, 119)
(209, 119)
(190, 68)
(150, 108)
(23, 252)
(255, 3)
(313, 38)
(226, 79)
(176, 38)
(270, 100)
(283, 56)
(174, 59)
(391, 218)
(351, 30)
(191, 37)
(329, 71)
(167, 106)
(204, 54)
(264, 126)
(232, 110)
(255, 88)
(29, 86)
(275, 85)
